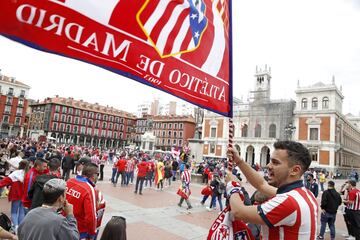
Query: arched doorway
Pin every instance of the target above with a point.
(67, 138)
(53, 135)
(265, 156)
(237, 147)
(250, 155)
(61, 137)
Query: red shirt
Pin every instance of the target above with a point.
(82, 195)
(142, 167)
(354, 198)
(121, 164)
(15, 180)
(29, 180)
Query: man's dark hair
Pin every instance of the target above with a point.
(89, 170)
(51, 197)
(331, 184)
(39, 161)
(54, 164)
(352, 183)
(297, 153)
(52, 190)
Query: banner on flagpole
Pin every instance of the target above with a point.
(182, 47)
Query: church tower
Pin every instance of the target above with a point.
(262, 84)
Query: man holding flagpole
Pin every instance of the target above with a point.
(291, 211)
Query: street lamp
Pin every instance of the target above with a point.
(289, 130)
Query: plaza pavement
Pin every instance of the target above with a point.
(156, 216)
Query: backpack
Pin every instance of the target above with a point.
(221, 187)
(5, 221)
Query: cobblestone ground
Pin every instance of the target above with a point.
(155, 214)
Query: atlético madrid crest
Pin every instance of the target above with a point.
(173, 27)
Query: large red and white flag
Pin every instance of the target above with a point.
(182, 47)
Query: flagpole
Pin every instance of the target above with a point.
(231, 142)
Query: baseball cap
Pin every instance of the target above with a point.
(54, 185)
(83, 161)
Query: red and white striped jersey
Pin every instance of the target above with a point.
(186, 176)
(291, 214)
(130, 165)
(95, 159)
(354, 199)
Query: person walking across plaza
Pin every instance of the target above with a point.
(185, 181)
(82, 195)
(67, 164)
(279, 217)
(159, 175)
(312, 185)
(121, 166)
(45, 223)
(322, 180)
(218, 189)
(103, 159)
(353, 209)
(142, 170)
(330, 202)
(129, 170)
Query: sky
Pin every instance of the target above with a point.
(301, 40)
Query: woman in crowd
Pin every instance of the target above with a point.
(15, 182)
(115, 229)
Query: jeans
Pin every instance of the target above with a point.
(17, 212)
(66, 173)
(101, 172)
(205, 197)
(132, 177)
(186, 200)
(141, 181)
(322, 186)
(122, 173)
(129, 177)
(173, 175)
(113, 175)
(213, 201)
(329, 219)
(149, 177)
(160, 183)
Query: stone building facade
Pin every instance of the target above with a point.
(314, 119)
(258, 124)
(13, 105)
(79, 122)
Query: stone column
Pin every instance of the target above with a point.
(84, 141)
(77, 139)
(112, 143)
(10, 129)
(21, 132)
(92, 141)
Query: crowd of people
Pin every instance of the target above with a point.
(48, 203)
(38, 182)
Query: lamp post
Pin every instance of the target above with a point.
(289, 130)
